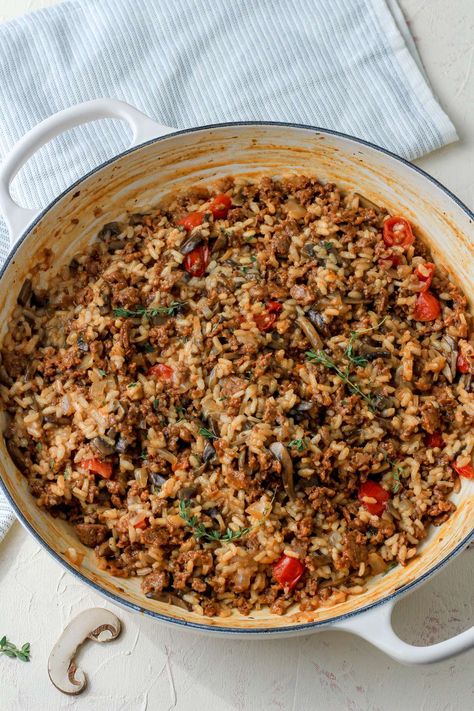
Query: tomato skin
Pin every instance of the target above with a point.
(425, 274)
(397, 232)
(161, 371)
(287, 571)
(434, 440)
(467, 471)
(265, 321)
(141, 524)
(427, 307)
(197, 260)
(98, 467)
(274, 307)
(189, 222)
(220, 206)
(462, 364)
(373, 491)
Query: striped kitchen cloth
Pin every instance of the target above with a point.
(349, 65)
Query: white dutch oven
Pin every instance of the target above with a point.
(161, 160)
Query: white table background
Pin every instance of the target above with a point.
(152, 667)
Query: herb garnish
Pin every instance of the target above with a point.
(390, 567)
(132, 385)
(201, 532)
(208, 434)
(144, 454)
(102, 372)
(322, 358)
(396, 471)
(156, 404)
(140, 311)
(299, 444)
(10, 650)
(149, 348)
(328, 246)
(349, 352)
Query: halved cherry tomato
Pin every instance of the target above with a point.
(425, 273)
(287, 571)
(161, 371)
(220, 206)
(434, 440)
(467, 471)
(98, 467)
(372, 490)
(427, 307)
(274, 307)
(397, 231)
(265, 321)
(189, 222)
(197, 260)
(462, 364)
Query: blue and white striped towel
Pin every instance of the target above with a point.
(349, 65)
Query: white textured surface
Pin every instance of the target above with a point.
(157, 668)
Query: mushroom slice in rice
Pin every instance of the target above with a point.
(281, 453)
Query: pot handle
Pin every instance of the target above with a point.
(375, 626)
(143, 128)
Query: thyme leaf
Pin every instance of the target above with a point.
(299, 444)
(201, 532)
(322, 358)
(208, 434)
(10, 650)
(140, 311)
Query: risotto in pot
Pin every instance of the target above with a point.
(256, 395)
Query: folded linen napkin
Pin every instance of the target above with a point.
(349, 65)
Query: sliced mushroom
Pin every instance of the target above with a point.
(191, 242)
(157, 479)
(17, 456)
(187, 492)
(104, 445)
(208, 453)
(137, 218)
(53, 420)
(121, 445)
(320, 321)
(281, 453)
(25, 293)
(380, 403)
(365, 202)
(372, 353)
(310, 332)
(110, 229)
(169, 598)
(308, 249)
(82, 344)
(221, 242)
(97, 624)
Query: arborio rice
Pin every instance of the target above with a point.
(259, 395)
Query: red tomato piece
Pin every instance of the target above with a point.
(427, 307)
(397, 231)
(220, 206)
(467, 471)
(425, 273)
(287, 571)
(274, 307)
(372, 490)
(161, 371)
(141, 524)
(462, 364)
(194, 219)
(265, 320)
(98, 467)
(434, 440)
(197, 260)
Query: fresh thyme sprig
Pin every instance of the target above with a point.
(201, 532)
(208, 434)
(322, 358)
(299, 444)
(359, 360)
(10, 650)
(140, 311)
(397, 470)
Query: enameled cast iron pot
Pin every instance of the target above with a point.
(159, 161)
